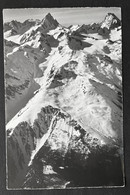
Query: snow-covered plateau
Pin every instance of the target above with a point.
(63, 104)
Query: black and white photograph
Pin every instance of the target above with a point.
(63, 98)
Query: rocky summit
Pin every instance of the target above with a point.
(63, 91)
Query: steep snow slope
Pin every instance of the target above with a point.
(22, 64)
(75, 114)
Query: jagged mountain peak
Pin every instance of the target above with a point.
(13, 23)
(111, 14)
(111, 21)
(49, 20)
(48, 16)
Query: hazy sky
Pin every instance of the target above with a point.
(65, 16)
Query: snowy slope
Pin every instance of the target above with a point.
(22, 61)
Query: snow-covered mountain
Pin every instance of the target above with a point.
(110, 22)
(64, 104)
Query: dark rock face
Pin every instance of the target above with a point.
(103, 31)
(93, 28)
(76, 150)
(76, 43)
(12, 90)
(20, 145)
(49, 18)
(63, 73)
(22, 142)
(82, 163)
(11, 25)
(18, 27)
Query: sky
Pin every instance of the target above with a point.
(65, 16)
